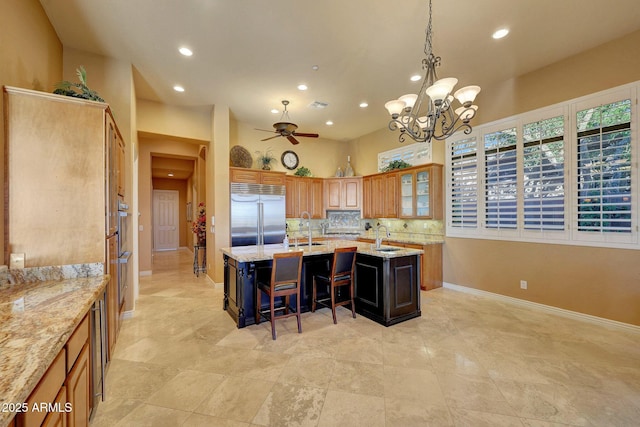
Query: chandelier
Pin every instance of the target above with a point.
(435, 94)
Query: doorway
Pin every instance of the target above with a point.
(166, 220)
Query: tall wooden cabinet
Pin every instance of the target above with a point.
(64, 165)
(61, 199)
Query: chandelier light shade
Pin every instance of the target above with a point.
(430, 114)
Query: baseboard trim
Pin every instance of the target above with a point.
(145, 273)
(548, 308)
(215, 285)
(128, 314)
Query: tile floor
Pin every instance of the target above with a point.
(468, 361)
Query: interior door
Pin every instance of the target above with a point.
(166, 233)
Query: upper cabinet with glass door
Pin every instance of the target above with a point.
(421, 192)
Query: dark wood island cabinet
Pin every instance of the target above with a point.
(387, 286)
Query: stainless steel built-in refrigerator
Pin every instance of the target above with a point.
(257, 214)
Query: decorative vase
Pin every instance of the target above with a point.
(266, 167)
(348, 171)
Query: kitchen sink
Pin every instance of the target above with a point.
(388, 249)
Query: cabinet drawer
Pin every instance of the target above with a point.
(78, 339)
(45, 392)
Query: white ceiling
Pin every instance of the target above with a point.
(251, 54)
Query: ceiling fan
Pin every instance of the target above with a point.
(286, 128)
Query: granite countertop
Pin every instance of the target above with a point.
(414, 238)
(36, 320)
(262, 253)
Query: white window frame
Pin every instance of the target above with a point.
(570, 235)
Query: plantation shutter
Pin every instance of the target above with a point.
(464, 183)
(501, 190)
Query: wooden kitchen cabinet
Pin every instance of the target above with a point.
(121, 166)
(407, 193)
(430, 264)
(65, 385)
(420, 194)
(303, 194)
(113, 308)
(78, 374)
(59, 156)
(343, 193)
(255, 176)
(380, 198)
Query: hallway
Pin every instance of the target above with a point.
(468, 361)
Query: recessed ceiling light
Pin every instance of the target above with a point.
(315, 68)
(302, 87)
(415, 78)
(502, 32)
(170, 174)
(363, 105)
(185, 51)
(329, 123)
(275, 111)
(178, 88)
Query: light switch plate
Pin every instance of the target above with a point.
(17, 261)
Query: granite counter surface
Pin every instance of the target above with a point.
(265, 252)
(36, 320)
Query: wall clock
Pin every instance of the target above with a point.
(289, 159)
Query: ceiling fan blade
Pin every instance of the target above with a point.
(271, 137)
(308, 135)
(263, 130)
(293, 140)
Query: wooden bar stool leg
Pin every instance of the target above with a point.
(353, 306)
(333, 303)
(298, 312)
(258, 305)
(313, 296)
(273, 317)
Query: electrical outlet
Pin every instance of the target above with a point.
(17, 260)
(523, 284)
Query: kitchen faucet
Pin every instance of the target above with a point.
(378, 238)
(309, 224)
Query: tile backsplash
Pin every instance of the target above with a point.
(351, 223)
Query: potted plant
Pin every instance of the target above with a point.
(78, 90)
(265, 158)
(302, 171)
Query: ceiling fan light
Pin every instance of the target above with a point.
(467, 94)
(395, 107)
(409, 100)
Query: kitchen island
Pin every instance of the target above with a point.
(387, 281)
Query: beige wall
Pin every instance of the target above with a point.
(595, 281)
(179, 122)
(321, 156)
(30, 57)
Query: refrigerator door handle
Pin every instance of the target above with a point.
(260, 224)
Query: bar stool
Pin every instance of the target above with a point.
(341, 275)
(283, 282)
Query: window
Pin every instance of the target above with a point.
(604, 168)
(543, 171)
(501, 179)
(563, 174)
(464, 183)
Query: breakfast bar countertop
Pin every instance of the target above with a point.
(36, 320)
(265, 252)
